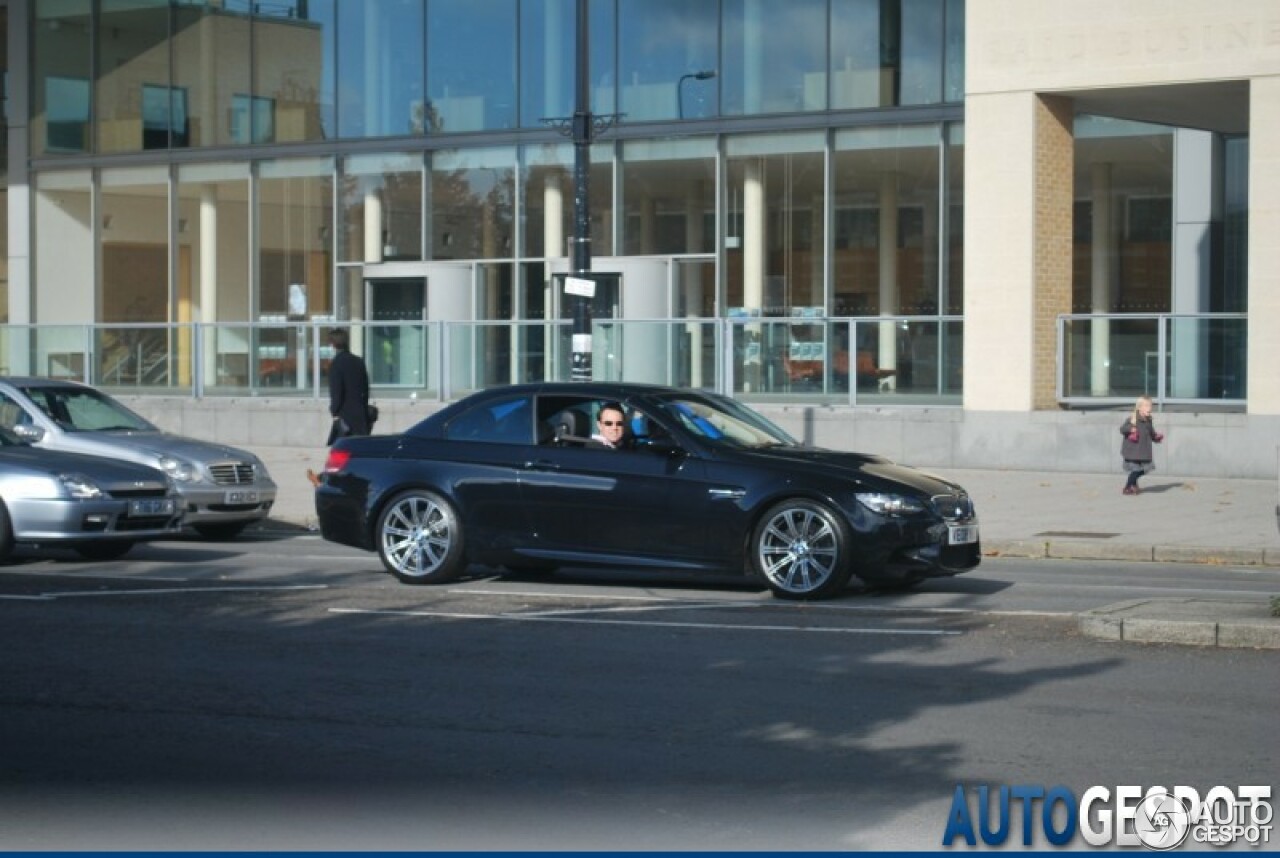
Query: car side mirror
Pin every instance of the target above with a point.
(29, 432)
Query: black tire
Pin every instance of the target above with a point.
(113, 550)
(419, 538)
(801, 550)
(6, 535)
(220, 530)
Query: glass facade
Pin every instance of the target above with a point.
(242, 163)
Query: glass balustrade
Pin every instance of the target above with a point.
(1171, 358)
(1102, 360)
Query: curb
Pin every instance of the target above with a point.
(1081, 550)
(1240, 625)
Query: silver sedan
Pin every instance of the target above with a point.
(96, 506)
(223, 489)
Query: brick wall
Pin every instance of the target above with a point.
(1054, 170)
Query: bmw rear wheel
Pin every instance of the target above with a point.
(800, 549)
(420, 538)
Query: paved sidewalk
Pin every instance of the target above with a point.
(1229, 522)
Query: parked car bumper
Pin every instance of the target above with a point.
(217, 504)
(65, 520)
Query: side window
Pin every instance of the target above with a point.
(504, 421)
(567, 421)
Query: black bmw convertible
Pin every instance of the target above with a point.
(698, 483)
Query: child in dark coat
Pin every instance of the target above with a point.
(1139, 433)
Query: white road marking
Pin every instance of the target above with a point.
(536, 618)
(773, 603)
(169, 591)
(83, 574)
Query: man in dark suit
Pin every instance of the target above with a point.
(348, 389)
(348, 394)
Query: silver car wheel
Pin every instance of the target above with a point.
(798, 551)
(419, 538)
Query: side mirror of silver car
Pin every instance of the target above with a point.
(29, 432)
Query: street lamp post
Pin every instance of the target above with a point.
(583, 132)
(704, 74)
(582, 127)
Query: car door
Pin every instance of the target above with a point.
(640, 506)
(478, 465)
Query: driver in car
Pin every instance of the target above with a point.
(609, 426)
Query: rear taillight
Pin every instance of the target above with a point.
(337, 461)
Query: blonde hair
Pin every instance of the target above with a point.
(1133, 418)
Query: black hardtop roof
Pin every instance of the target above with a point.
(611, 390)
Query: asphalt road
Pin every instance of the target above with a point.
(281, 694)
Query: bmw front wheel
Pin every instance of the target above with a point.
(800, 549)
(420, 538)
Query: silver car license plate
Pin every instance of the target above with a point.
(240, 496)
(151, 506)
(962, 534)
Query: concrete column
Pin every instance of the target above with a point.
(753, 234)
(694, 235)
(1102, 284)
(753, 266)
(553, 247)
(1197, 180)
(1264, 250)
(1017, 261)
(208, 286)
(372, 225)
(887, 358)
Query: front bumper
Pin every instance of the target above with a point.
(69, 520)
(212, 504)
(914, 551)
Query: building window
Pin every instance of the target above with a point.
(164, 117)
(252, 119)
(67, 114)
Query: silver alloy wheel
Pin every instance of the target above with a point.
(416, 536)
(798, 550)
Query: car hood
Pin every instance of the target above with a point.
(146, 447)
(96, 468)
(875, 472)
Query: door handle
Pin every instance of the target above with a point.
(541, 465)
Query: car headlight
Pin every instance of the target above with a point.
(889, 504)
(79, 486)
(179, 470)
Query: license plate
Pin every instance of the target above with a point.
(157, 506)
(240, 496)
(962, 534)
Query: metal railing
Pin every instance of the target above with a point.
(899, 360)
(1173, 358)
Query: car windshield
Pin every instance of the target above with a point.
(724, 422)
(85, 410)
